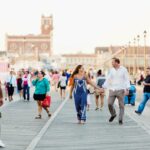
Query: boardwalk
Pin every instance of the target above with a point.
(19, 129)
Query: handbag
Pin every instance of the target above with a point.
(8, 84)
(46, 102)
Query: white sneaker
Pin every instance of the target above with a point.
(2, 144)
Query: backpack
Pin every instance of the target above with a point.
(100, 82)
(25, 82)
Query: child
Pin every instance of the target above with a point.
(90, 91)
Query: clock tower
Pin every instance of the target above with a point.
(46, 25)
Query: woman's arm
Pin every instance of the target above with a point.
(47, 86)
(89, 81)
(34, 82)
(71, 87)
(146, 84)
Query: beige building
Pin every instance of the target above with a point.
(94, 60)
(72, 60)
(133, 58)
(31, 47)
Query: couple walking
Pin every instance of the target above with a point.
(117, 82)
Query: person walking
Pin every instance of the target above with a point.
(90, 92)
(55, 79)
(26, 83)
(118, 84)
(11, 83)
(68, 75)
(19, 84)
(79, 90)
(42, 89)
(63, 84)
(99, 82)
(146, 93)
(1, 103)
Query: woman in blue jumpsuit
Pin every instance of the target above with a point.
(80, 97)
(79, 89)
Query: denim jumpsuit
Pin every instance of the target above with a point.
(80, 98)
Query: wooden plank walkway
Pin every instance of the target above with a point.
(18, 124)
(19, 128)
(96, 134)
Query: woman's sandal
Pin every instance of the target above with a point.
(38, 117)
(49, 115)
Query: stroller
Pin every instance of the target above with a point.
(130, 99)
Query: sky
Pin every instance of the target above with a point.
(79, 25)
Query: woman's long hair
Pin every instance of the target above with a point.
(99, 72)
(76, 71)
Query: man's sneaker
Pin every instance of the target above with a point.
(2, 144)
(112, 118)
(137, 112)
(120, 122)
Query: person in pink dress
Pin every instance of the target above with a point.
(55, 79)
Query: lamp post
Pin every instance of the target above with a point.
(129, 62)
(24, 51)
(145, 51)
(138, 52)
(124, 55)
(135, 56)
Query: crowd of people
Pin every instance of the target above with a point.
(81, 84)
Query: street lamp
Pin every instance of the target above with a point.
(145, 51)
(138, 52)
(124, 55)
(130, 54)
(24, 47)
(135, 56)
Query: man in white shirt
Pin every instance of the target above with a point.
(118, 84)
(11, 83)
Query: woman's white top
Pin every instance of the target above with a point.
(12, 80)
(63, 80)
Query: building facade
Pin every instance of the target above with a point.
(32, 47)
(135, 59)
(70, 61)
